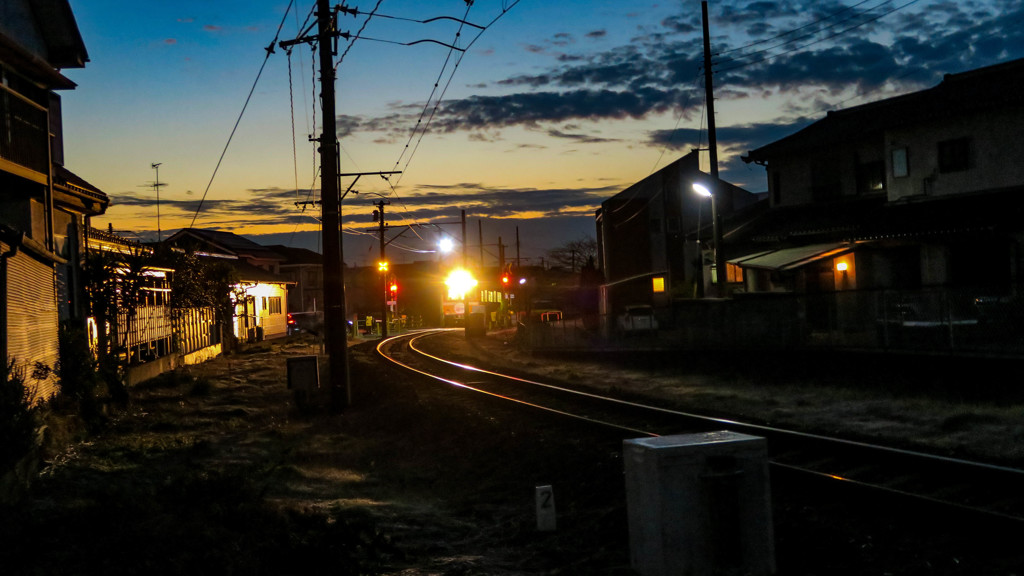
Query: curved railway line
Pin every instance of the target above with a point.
(964, 489)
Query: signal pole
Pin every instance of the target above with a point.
(384, 272)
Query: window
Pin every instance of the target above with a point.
(734, 272)
(274, 304)
(658, 284)
(954, 155)
(900, 167)
(870, 177)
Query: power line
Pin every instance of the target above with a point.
(269, 51)
(820, 40)
(794, 30)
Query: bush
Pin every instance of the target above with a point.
(19, 419)
(76, 371)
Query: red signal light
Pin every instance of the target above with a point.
(504, 279)
(394, 287)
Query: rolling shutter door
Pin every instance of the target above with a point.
(32, 319)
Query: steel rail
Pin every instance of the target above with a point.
(733, 424)
(467, 386)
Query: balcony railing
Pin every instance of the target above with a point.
(24, 136)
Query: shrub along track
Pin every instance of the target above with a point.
(213, 471)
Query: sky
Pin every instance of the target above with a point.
(526, 114)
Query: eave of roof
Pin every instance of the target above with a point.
(957, 93)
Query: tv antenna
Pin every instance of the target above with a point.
(156, 186)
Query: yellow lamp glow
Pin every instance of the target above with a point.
(382, 266)
(459, 282)
(841, 266)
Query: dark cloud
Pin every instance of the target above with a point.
(742, 137)
(831, 55)
(597, 34)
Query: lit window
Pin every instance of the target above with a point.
(658, 284)
(274, 304)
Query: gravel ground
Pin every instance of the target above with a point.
(214, 470)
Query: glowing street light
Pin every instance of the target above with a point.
(446, 245)
(459, 282)
(382, 266)
(704, 191)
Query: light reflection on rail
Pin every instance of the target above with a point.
(766, 430)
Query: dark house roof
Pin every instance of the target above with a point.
(62, 44)
(225, 242)
(250, 273)
(80, 192)
(292, 256)
(995, 86)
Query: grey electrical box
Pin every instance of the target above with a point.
(699, 504)
(303, 373)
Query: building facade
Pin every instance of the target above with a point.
(44, 208)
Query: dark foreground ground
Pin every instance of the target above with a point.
(213, 470)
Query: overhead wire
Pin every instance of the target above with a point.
(269, 51)
(820, 40)
(440, 98)
(794, 30)
(810, 34)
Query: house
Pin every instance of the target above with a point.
(44, 207)
(261, 294)
(306, 269)
(140, 326)
(654, 237)
(908, 206)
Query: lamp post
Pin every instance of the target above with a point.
(717, 237)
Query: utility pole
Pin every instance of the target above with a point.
(480, 236)
(716, 191)
(335, 333)
(465, 248)
(384, 264)
(517, 247)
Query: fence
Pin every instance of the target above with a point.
(156, 331)
(195, 329)
(967, 322)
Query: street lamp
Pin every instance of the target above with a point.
(717, 233)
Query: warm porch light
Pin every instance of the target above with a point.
(841, 266)
(459, 282)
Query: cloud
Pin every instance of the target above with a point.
(833, 55)
(212, 28)
(170, 41)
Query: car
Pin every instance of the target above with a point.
(638, 318)
(305, 322)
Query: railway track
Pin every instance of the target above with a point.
(965, 489)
